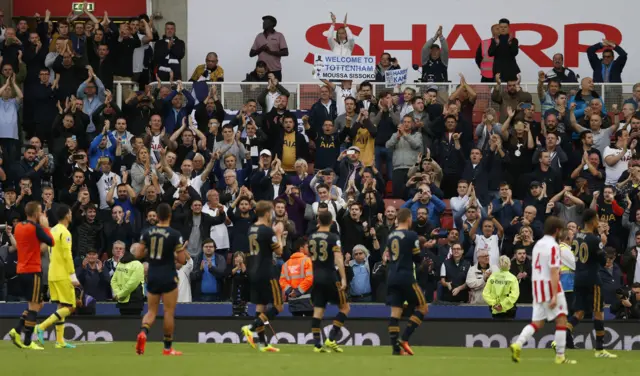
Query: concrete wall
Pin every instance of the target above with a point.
(175, 11)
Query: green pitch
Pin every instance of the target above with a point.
(119, 359)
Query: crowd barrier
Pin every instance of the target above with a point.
(357, 332)
(217, 310)
(305, 94)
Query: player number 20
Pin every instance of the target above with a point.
(319, 252)
(155, 251)
(254, 247)
(580, 250)
(395, 249)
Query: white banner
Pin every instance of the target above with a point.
(546, 28)
(333, 67)
(395, 77)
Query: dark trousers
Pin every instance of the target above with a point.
(399, 182)
(449, 185)
(508, 315)
(484, 79)
(366, 298)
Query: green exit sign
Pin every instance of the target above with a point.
(77, 7)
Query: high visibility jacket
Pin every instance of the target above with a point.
(567, 268)
(486, 65)
(501, 288)
(297, 273)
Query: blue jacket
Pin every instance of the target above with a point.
(581, 104)
(172, 122)
(615, 70)
(435, 206)
(96, 153)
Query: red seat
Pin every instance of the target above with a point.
(446, 221)
(396, 203)
(388, 192)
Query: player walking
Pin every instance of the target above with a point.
(549, 302)
(62, 279)
(263, 278)
(588, 248)
(326, 255)
(29, 235)
(404, 250)
(164, 246)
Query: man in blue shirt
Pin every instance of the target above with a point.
(607, 69)
(208, 268)
(424, 199)
(360, 285)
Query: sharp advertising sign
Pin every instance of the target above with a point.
(547, 28)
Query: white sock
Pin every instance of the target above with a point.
(527, 333)
(561, 341)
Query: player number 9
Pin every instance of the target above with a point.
(395, 249)
(254, 247)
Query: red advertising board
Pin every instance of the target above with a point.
(61, 8)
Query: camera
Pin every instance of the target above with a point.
(623, 293)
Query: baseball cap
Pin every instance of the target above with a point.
(10, 188)
(354, 148)
(265, 152)
(535, 183)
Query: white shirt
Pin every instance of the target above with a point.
(341, 95)
(138, 55)
(219, 233)
(546, 256)
(156, 145)
(614, 172)
(105, 183)
(406, 109)
(276, 189)
(491, 245)
(184, 285)
(195, 183)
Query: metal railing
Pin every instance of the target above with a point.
(304, 94)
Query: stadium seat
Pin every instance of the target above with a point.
(396, 203)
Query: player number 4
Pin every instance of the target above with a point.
(537, 264)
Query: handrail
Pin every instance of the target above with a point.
(234, 94)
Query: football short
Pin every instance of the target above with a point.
(410, 293)
(266, 292)
(325, 293)
(159, 286)
(62, 292)
(542, 311)
(32, 286)
(588, 299)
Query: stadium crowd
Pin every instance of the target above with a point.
(476, 191)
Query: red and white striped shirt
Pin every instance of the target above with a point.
(546, 256)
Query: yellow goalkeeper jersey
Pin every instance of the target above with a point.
(61, 260)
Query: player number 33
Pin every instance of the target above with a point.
(318, 252)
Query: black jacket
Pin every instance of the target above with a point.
(318, 114)
(206, 223)
(162, 55)
(202, 116)
(504, 55)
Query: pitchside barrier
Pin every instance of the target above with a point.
(218, 310)
(303, 95)
(620, 335)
